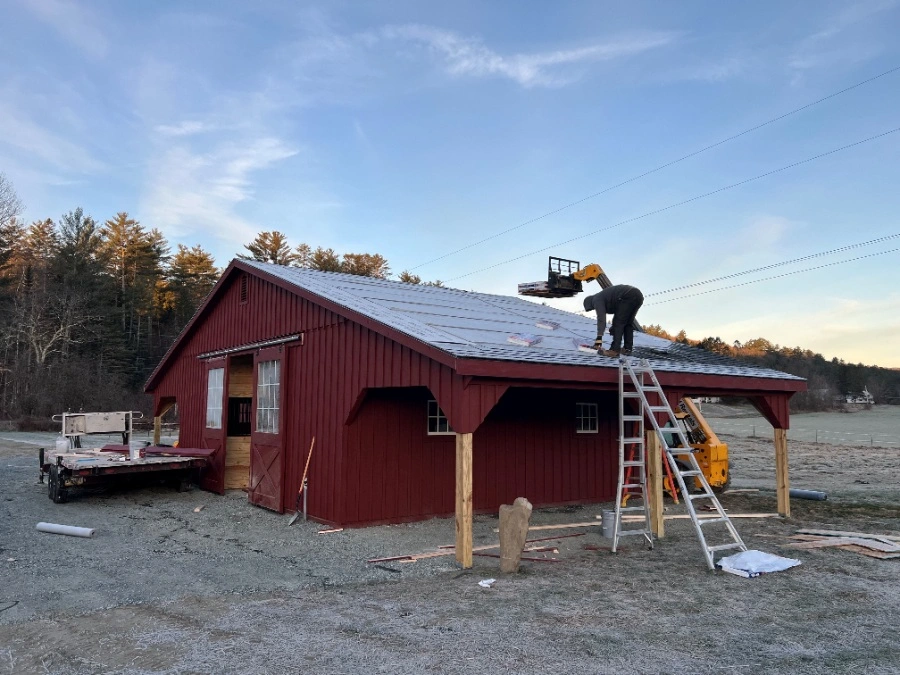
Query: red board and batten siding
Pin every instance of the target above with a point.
(527, 447)
(323, 379)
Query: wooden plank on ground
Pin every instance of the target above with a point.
(562, 526)
(495, 555)
(841, 533)
(881, 555)
(842, 541)
(704, 516)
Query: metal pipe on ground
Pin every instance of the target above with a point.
(69, 530)
(809, 494)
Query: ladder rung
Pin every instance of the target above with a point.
(628, 486)
(702, 495)
(725, 547)
(631, 508)
(630, 394)
(707, 521)
(661, 408)
(632, 418)
(626, 533)
(690, 473)
(633, 439)
(632, 462)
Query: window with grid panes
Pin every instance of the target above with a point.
(268, 389)
(214, 383)
(586, 418)
(437, 421)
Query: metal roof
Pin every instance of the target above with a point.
(474, 325)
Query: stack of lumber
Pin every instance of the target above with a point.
(882, 546)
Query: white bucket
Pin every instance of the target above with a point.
(62, 444)
(134, 450)
(608, 523)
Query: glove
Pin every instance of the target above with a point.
(598, 343)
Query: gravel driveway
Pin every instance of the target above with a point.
(162, 588)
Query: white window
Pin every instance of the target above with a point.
(214, 384)
(586, 418)
(437, 421)
(268, 388)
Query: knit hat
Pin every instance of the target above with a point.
(589, 303)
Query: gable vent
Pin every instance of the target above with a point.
(244, 289)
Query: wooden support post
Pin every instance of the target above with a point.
(655, 483)
(782, 480)
(464, 500)
(157, 422)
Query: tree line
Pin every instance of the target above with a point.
(88, 308)
(828, 381)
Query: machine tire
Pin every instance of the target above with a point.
(719, 489)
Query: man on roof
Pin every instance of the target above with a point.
(623, 302)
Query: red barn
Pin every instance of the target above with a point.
(414, 394)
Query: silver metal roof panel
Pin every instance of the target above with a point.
(477, 325)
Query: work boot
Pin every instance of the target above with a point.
(626, 352)
(610, 353)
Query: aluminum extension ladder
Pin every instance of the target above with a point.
(636, 388)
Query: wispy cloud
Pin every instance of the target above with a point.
(763, 231)
(185, 128)
(198, 192)
(74, 22)
(461, 56)
(713, 71)
(35, 141)
(823, 49)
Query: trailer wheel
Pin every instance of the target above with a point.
(56, 491)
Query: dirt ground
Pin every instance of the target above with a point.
(232, 589)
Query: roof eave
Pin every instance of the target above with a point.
(519, 370)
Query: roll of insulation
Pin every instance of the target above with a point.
(69, 530)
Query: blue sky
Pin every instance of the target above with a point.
(412, 129)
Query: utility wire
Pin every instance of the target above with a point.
(774, 265)
(777, 276)
(682, 203)
(659, 168)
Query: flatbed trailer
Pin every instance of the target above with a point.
(88, 468)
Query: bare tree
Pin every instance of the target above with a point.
(10, 204)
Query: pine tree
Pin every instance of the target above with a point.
(270, 247)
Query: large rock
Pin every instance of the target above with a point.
(513, 533)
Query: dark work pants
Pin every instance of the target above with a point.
(623, 319)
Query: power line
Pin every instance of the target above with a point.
(774, 265)
(681, 203)
(659, 168)
(777, 276)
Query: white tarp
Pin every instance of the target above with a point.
(753, 563)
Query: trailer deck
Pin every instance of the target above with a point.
(94, 467)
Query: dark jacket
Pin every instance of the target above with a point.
(606, 301)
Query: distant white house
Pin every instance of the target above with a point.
(864, 397)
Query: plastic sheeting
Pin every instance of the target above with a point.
(753, 563)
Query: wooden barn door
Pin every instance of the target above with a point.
(212, 477)
(266, 439)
